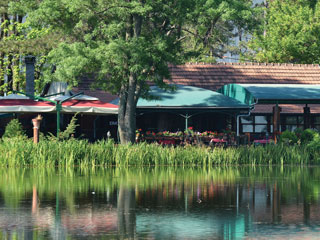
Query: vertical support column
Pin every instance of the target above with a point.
(186, 122)
(58, 108)
(306, 117)
(30, 61)
(36, 125)
(276, 121)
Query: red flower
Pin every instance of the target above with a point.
(190, 128)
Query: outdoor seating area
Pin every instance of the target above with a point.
(188, 137)
(208, 138)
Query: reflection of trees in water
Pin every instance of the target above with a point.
(110, 200)
(126, 212)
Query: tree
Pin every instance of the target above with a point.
(213, 25)
(14, 129)
(17, 40)
(292, 30)
(124, 44)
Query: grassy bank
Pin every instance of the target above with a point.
(22, 152)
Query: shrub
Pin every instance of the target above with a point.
(68, 133)
(307, 136)
(298, 132)
(70, 130)
(14, 129)
(288, 137)
(315, 143)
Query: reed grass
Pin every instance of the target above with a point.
(22, 152)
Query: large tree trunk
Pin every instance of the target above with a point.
(127, 112)
(129, 93)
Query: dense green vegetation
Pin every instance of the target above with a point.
(299, 147)
(21, 152)
(289, 33)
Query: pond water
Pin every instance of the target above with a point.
(160, 203)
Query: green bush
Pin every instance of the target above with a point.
(307, 136)
(298, 132)
(68, 133)
(14, 129)
(288, 137)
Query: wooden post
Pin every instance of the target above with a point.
(248, 137)
(36, 125)
(306, 117)
(276, 122)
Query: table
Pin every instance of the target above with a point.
(261, 141)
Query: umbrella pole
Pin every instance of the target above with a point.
(186, 122)
(58, 106)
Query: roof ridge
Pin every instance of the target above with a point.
(254, 64)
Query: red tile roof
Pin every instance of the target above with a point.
(214, 76)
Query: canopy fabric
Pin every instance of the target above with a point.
(188, 97)
(71, 106)
(80, 97)
(25, 106)
(82, 106)
(15, 96)
(273, 93)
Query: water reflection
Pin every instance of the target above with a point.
(155, 203)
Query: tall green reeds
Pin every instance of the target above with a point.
(22, 152)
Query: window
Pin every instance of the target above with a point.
(255, 124)
(247, 124)
(316, 122)
(291, 123)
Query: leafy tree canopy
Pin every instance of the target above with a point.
(18, 39)
(213, 24)
(113, 39)
(290, 33)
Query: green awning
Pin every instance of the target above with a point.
(186, 97)
(273, 93)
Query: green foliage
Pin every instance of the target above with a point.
(288, 137)
(289, 34)
(67, 134)
(18, 39)
(14, 152)
(299, 136)
(14, 129)
(211, 26)
(106, 41)
(314, 145)
(308, 135)
(70, 130)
